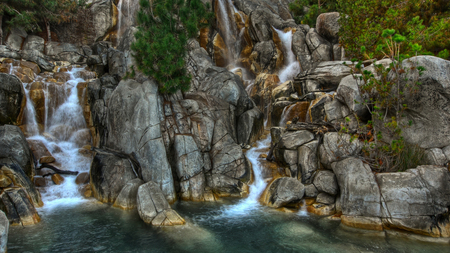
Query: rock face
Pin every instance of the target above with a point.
(336, 147)
(428, 107)
(12, 100)
(416, 200)
(348, 93)
(327, 26)
(13, 173)
(16, 203)
(127, 196)
(284, 191)
(327, 75)
(153, 208)
(103, 20)
(109, 174)
(4, 229)
(197, 130)
(14, 145)
(360, 195)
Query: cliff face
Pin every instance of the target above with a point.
(253, 68)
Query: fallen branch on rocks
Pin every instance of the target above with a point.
(56, 170)
(318, 127)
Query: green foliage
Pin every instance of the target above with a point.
(315, 8)
(424, 23)
(164, 29)
(384, 94)
(28, 14)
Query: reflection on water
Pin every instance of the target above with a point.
(99, 227)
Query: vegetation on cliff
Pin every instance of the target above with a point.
(160, 48)
(425, 23)
(32, 14)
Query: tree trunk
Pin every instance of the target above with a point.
(49, 33)
(1, 30)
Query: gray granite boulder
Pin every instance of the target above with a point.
(154, 209)
(284, 191)
(12, 100)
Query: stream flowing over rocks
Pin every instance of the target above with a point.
(260, 122)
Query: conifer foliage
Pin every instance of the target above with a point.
(31, 14)
(161, 40)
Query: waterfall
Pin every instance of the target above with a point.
(251, 203)
(67, 132)
(229, 28)
(292, 67)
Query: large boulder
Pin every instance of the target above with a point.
(12, 100)
(325, 181)
(284, 191)
(326, 75)
(308, 161)
(127, 196)
(261, 21)
(109, 175)
(13, 175)
(360, 195)
(349, 94)
(37, 57)
(4, 229)
(134, 114)
(301, 50)
(327, 26)
(13, 145)
(264, 57)
(250, 125)
(293, 140)
(336, 147)
(33, 42)
(427, 107)
(416, 200)
(321, 49)
(103, 17)
(153, 208)
(64, 52)
(16, 38)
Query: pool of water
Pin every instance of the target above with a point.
(211, 227)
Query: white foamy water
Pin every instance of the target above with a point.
(251, 203)
(64, 120)
(292, 67)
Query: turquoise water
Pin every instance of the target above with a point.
(211, 227)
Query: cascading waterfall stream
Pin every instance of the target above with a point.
(251, 203)
(292, 67)
(67, 122)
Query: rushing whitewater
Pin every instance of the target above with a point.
(67, 122)
(292, 67)
(251, 203)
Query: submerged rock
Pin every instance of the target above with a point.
(153, 208)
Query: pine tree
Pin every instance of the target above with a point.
(164, 29)
(30, 14)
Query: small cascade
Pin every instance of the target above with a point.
(251, 203)
(292, 67)
(284, 115)
(228, 27)
(64, 131)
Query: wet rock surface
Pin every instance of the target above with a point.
(153, 207)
